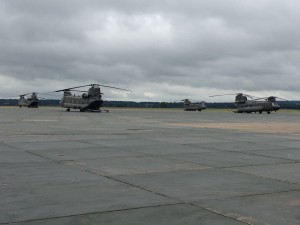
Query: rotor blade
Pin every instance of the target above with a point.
(266, 98)
(79, 91)
(26, 94)
(48, 93)
(62, 90)
(282, 99)
(67, 89)
(114, 87)
(259, 98)
(221, 95)
(250, 96)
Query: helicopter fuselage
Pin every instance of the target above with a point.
(83, 104)
(189, 106)
(194, 107)
(256, 106)
(90, 101)
(31, 102)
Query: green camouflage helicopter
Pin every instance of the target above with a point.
(89, 101)
(244, 105)
(30, 102)
(196, 106)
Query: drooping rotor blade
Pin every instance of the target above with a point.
(68, 89)
(282, 99)
(114, 87)
(223, 95)
(250, 96)
(26, 94)
(256, 99)
(62, 90)
(72, 88)
(266, 98)
(79, 91)
(192, 100)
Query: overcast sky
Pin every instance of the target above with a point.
(162, 50)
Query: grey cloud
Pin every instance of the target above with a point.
(152, 47)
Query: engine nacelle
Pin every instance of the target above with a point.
(85, 95)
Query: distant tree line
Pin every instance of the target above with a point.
(131, 104)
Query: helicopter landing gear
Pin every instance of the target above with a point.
(68, 110)
(260, 112)
(82, 110)
(268, 112)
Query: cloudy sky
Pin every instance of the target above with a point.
(162, 50)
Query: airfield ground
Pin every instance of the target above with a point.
(149, 167)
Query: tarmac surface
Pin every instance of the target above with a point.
(148, 167)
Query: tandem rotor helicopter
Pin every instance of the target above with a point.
(89, 101)
(189, 106)
(30, 102)
(243, 105)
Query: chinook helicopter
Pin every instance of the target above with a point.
(30, 102)
(88, 101)
(265, 104)
(189, 106)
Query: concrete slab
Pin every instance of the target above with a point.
(287, 143)
(122, 142)
(292, 154)
(275, 209)
(206, 184)
(64, 154)
(164, 149)
(239, 146)
(5, 147)
(14, 157)
(46, 145)
(132, 165)
(170, 214)
(56, 137)
(46, 190)
(283, 172)
(227, 159)
(181, 139)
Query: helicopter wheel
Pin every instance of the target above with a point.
(268, 112)
(260, 112)
(68, 110)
